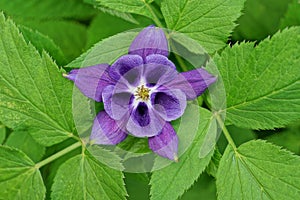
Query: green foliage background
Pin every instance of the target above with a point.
(256, 47)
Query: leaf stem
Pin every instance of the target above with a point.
(226, 133)
(155, 18)
(58, 154)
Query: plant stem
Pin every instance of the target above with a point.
(155, 18)
(226, 133)
(58, 154)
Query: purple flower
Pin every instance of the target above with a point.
(142, 92)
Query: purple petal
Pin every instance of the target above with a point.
(116, 103)
(144, 122)
(159, 60)
(151, 40)
(106, 130)
(193, 83)
(166, 143)
(71, 75)
(124, 64)
(132, 77)
(91, 80)
(158, 75)
(170, 104)
(141, 114)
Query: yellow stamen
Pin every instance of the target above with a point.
(142, 93)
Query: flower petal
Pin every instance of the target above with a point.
(116, 102)
(159, 60)
(158, 75)
(165, 143)
(106, 130)
(193, 83)
(144, 122)
(124, 64)
(141, 114)
(170, 104)
(91, 80)
(131, 78)
(151, 40)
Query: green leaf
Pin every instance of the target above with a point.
(19, 179)
(172, 181)
(106, 156)
(23, 141)
(42, 42)
(208, 22)
(82, 177)
(34, 95)
(292, 16)
(71, 37)
(50, 9)
(262, 84)
(258, 170)
(2, 133)
(140, 7)
(105, 51)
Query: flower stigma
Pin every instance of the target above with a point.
(142, 93)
